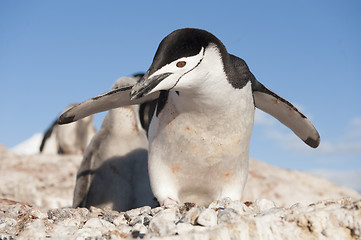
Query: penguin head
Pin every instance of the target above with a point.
(179, 62)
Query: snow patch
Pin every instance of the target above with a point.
(29, 146)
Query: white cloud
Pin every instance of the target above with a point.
(349, 143)
(354, 129)
(340, 147)
(348, 178)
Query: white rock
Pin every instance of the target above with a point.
(135, 220)
(72, 222)
(87, 233)
(61, 231)
(35, 229)
(156, 210)
(228, 215)
(58, 214)
(192, 215)
(184, 228)
(240, 207)
(120, 220)
(138, 211)
(163, 223)
(261, 205)
(96, 223)
(37, 213)
(2, 226)
(109, 216)
(8, 225)
(140, 228)
(207, 218)
(223, 203)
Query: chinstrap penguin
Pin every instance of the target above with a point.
(200, 133)
(114, 170)
(72, 138)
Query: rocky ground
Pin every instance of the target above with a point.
(261, 219)
(36, 193)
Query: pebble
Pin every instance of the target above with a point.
(61, 231)
(192, 215)
(260, 205)
(164, 222)
(228, 215)
(156, 210)
(135, 220)
(223, 203)
(35, 229)
(58, 214)
(138, 211)
(140, 228)
(109, 217)
(207, 218)
(184, 228)
(240, 207)
(120, 220)
(87, 234)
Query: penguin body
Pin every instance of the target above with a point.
(206, 157)
(200, 133)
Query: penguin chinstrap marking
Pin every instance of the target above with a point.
(200, 133)
(114, 171)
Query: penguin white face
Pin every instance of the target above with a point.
(171, 75)
(177, 62)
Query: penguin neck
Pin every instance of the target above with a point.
(210, 99)
(211, 90)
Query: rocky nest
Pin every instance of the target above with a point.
(223, 219)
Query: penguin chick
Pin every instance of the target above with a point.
(68, 139)
(114, 170)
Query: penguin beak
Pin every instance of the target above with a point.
(145, 85)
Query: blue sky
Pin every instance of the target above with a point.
(53, 53)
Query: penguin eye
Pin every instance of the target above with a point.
(181, 64)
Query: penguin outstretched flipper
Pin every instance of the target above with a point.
(286, 113)
(118, 97)
(278, 107)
